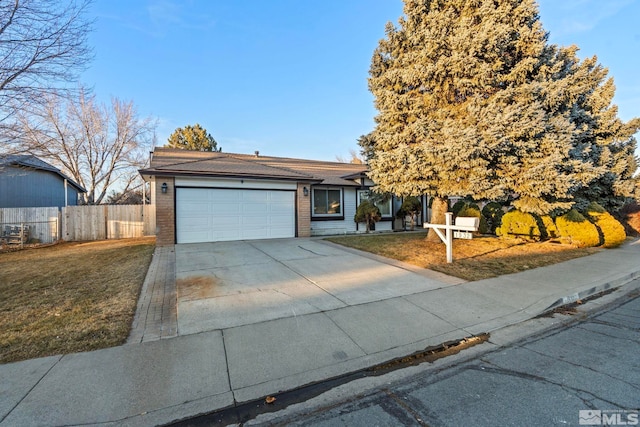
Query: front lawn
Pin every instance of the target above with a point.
(70, 297)
(476, 259)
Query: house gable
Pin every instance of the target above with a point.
(30, 182)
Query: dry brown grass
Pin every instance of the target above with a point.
(70, 297)
(476, 259)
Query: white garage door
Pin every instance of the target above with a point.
(212, 215)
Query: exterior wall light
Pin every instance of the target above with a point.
(164, 187)
(305, 191)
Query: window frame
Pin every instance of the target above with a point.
(327, 216)
(389, 202)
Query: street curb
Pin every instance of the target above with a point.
(258, 412)
(612, 284)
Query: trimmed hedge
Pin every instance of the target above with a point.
(457, 207)
(516, 223)
(368, 213)
(493, 213)
(612, 233)
(580, 231)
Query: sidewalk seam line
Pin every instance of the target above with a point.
(226, 361)
(434, 314)
(31, 389)
(345, 332)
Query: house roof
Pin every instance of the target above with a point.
(32, 162)
(175, 162)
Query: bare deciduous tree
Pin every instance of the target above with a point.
(99, 146)
(355, 158)
(43, 44)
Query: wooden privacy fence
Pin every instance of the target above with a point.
(78, 223)
(108, 222)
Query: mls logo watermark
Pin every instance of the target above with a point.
(591, 417)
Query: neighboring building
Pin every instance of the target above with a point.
(26, 181)
(215, 196)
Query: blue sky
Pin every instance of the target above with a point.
(289, 77)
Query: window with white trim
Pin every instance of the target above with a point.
(327, 202)
(385, 207)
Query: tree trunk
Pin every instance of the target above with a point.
(438, 209)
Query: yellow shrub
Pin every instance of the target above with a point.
(612, 232)
(574, 226)
(516, 223)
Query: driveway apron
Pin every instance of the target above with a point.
(227, 284)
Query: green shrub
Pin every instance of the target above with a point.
(368, 213)
(492, 212)
(457, 207)
(612, 233)
(595, 208)
(516, 223)
(575, 227)
(463, 203)
(471, 211)
(411, 206)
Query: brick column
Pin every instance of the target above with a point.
(304, 211)
(165, 212)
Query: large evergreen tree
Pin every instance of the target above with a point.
(473, 102)
(600, 137)
(194, 138)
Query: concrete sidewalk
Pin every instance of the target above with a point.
(171, 378)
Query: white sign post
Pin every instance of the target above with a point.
(463, 224)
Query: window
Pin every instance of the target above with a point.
(327, 202)
(384, 206)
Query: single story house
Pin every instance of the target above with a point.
(216, 196)
(26, 181)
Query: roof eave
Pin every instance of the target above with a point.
(155, 172)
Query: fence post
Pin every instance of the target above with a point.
(59, 225)
(106, 222)
(65, 225)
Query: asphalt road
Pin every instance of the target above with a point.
(590, 363)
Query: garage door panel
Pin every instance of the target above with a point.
(282, 196)
(226, 209)
(255, 209)
(279, 222)
(255, 197)
(226, 221)
(225, 235)
(254, 222)
(208, 215)
(280, 210)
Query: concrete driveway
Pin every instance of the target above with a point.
(227, 284)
